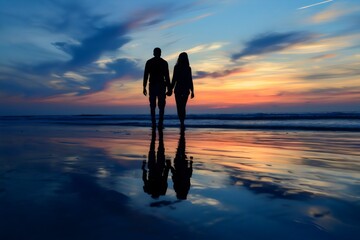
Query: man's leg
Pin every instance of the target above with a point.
(152, 99)
(161, 104)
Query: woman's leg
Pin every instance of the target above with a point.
(178, 105)
(181, 100)
(184, 99)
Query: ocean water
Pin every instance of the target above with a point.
(301, 121)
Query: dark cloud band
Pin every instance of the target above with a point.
(272, 42)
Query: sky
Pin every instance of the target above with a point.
(247, 56)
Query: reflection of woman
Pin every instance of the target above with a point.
(182, 170)
(182, 84)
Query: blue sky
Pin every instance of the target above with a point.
(73, 57)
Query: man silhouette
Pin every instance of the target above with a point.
(159, 80)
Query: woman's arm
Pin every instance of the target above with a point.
(191, 85)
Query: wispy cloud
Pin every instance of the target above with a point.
(89, 38)
(82, 37)
(315, 4)
(220, 74)
(198, 49)
(353, 24)
(328, 15)
(89, 49)
(324, 56)
(272, 42)
(336, 91)
(323, 95)
(335, 72)
(184, 21)
(339, 12)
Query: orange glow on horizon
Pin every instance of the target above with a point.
(238, 88)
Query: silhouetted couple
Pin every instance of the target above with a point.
(160, 86)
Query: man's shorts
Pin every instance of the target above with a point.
(160, 94)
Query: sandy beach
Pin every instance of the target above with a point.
(97, 182)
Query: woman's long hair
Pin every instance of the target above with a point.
(183, 60)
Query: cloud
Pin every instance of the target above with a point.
(198, 49)
(336, 91)
(124, 66)
(85, 37)
(348, 16)
(26, 85)
(53, 80)
(114, 70)
(328, 15)
(74, 37)
(324, 56)
(71, 17)
(185, 21)
(329, 94)
(335, 72)
(220, 74)
(108, 38)
(354, 23)
(272, 42)
(271, 189)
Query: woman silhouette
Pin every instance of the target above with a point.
(182, 84)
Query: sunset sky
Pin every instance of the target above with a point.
(88, 56)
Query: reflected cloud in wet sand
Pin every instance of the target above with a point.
(299, 162)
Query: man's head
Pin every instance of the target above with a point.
(157, 52)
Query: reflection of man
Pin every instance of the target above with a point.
(182, 170)
(159, 80)
(155, 179)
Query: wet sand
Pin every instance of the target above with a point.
(107, 182)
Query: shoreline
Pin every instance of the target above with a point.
(280, 122)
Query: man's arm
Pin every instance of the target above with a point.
(167, 79)
(145, 79)
(174, 78)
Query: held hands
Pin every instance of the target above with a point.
(169, 93)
